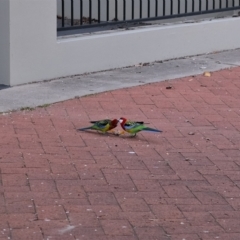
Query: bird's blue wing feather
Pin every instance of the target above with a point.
(130, 125)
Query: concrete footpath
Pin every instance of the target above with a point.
(182, 184)
(32, 95)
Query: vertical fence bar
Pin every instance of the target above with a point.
(116, 10)
(132, 9)
(181, 6)
(124, 10)
(107, 2)
(148, 8)
(63, 13)
(164, 7)
(81, 12)
(156, 10)
(71, 12)
(90, 11)
(140, 9)
(99, 10)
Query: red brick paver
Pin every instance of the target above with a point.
(57, 183)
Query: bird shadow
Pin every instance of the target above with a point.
(138, 137)
(142, 138)
(109, 134)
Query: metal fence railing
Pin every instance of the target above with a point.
(74, 14)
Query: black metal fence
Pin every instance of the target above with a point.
(74, 14)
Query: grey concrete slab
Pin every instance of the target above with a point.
(36, 94)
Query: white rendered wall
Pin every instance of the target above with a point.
(37, 54)
(33, 40)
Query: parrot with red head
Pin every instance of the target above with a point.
(134, 127)
(104, 125)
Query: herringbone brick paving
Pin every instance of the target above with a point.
(182, 184)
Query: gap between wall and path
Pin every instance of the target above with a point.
(38, 94)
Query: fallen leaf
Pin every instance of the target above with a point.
(207, 74)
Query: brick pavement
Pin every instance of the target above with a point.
(57, 183)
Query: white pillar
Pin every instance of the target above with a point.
(28, 32)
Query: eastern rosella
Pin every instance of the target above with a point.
(102, 125)
(135, 127)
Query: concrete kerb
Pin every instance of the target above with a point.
(40, 94)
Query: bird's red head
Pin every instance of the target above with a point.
(114, 122)
(122, 121)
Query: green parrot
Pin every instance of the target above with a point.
(104, 125)
(135, 127)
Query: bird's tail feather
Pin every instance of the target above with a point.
(152, 129)
(83, 129)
